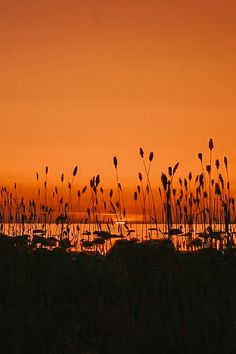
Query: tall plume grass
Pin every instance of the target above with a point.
(193, 202)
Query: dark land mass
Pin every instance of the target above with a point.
(140, 298)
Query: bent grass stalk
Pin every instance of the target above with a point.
(208, 201)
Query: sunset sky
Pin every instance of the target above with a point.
(82, 81)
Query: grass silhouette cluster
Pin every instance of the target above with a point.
(141, 296)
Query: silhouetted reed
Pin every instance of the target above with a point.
(185, 205)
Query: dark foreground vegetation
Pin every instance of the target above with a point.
(140, 298)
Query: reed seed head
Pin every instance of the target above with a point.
(226, 162)
(164, 181)
(175, 167)
(141, 152)
(151, 155)
(211, 145)
(217, 189)
(115, 161)
(208, 168)
(75, 171)
(200, 156)
(111, 193)
(97, 180)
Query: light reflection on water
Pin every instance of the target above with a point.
(78, 233)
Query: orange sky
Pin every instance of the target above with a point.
(82, 81)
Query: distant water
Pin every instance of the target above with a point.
(143, 232)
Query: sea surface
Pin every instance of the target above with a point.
(78, 232)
